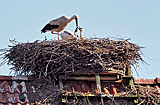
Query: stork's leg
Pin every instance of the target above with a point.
(53, 32)
(56, 33)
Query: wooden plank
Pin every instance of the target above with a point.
(98, 83)
(87, 78)
(108, 78)
(117, 81)
(103, 73)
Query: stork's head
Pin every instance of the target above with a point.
(80, 28)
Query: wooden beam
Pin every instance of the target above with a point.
(92, 73)
(98, 83)
(87, 78)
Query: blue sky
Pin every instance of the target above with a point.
(136, 19)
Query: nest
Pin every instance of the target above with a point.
(79, 56)
(50, 58)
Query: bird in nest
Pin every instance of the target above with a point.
(59, 24)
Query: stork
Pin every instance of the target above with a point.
(81, 33)
(69, 35)
(59, 24)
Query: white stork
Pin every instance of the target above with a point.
(59, 24)
(69, 35)
(81, 34)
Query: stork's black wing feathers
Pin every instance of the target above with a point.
(49, 27)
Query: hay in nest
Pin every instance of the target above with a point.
(78, 56)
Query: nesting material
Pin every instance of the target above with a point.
(79, 56)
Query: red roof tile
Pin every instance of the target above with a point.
(144, 81)
(158, 80)
(11, 91)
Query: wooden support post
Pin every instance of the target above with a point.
(131, 83)
(98, 83)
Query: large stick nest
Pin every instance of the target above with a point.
(78, 56)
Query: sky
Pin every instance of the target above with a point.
(139, 20)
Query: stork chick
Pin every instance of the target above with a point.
(81, 34)
(66, 35)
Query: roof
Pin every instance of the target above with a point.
(13, 90)
(146, 81)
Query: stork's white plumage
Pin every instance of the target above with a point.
(66, 35)
(59, 24)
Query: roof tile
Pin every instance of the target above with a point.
(158, 80)
(144, 81)
(12, 92)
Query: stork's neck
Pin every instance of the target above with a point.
(81, 34)
(72, 18)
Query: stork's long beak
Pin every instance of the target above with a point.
(76, 22)
(75, 32)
